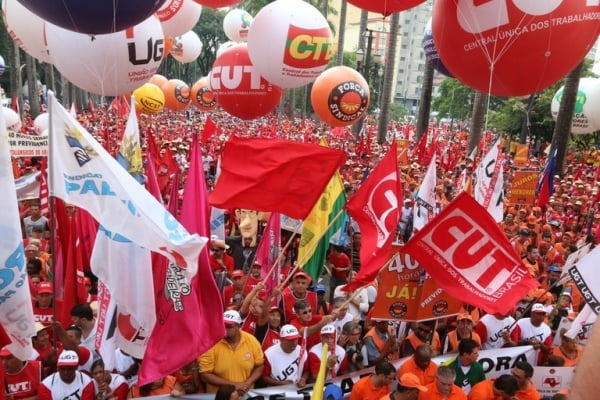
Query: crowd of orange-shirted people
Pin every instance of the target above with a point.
(315, 312)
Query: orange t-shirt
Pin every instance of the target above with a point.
(529, 394)
(483, 390)
(365, 390)
(568, 362)
(426, 376)
(433, 394)
(166, 388)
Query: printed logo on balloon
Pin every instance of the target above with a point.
(585, 115)
(290, 43)
(239, 87)
(513, 47)
(202, 96)
(340, 96)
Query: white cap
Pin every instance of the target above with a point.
(289, 332)
(539, 308)
(67, 358)
(328, 330)
(232, 317)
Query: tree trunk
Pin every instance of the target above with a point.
(525, 126)
(425, 103)
(341, 34)
(388, 78)
(32, 87)
(364, 20)
(477, 119)
(14, 64)
(562, 129)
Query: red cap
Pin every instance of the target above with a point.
(238, 273)
(44, 287)
(302, 274)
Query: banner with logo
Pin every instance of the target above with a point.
(28, 185)
(469, 256)
(27, 145)
(407, 292)
(523, 188)
(550, 380)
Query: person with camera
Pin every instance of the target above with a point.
(380, 342)
(350, 340)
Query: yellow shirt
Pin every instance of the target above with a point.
(235, 365)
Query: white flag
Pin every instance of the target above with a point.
(16, 312)
(84, 174)
(489, 183)
(587, 279)
(131, 288)
(425, 208)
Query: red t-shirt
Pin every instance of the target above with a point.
(26, 382)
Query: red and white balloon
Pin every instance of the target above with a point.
(112, 64)
(513, 47)
(290, 43)
(236, 25)
(187, 47)
(239, 87)
(26, 29)
(385, 7)
(179, 16)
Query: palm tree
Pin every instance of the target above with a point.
(477, 118)
(425, 103)
(560, 138)
(341, 34)
(388, 78)
(32, 88)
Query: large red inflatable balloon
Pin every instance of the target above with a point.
(239, 87)
(340, 96)
(385, 7)
(513, 47)
(93, 17)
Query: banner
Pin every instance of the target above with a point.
(586, 278)
(84, 174)
(550, 380)
(28, 185)
(521, 157)
(28, 145)
(469, 256)
(523, 188)
(489, 183)
(406, 291)
(16, 312)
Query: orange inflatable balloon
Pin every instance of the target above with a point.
(177, 94)
(202, 96)
(168, 46)
(158, 80)
(340, 96)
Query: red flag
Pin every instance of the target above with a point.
(268, 252)
(188, 313)
(209, 129)
(545, 187)
(44, 206)
(469, 256)
(120, 106)
(91, 109)
(15, 104)
(166, 169)
(151, 183)
(274, 175)
(420, 150)
(375, 207)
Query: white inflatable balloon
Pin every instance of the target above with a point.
(585, 114)
(236, 25)
(40, 123)
(290, 43)
(178, 16)
(12, 119)
(187, 47)
(26, 29)
(111, 64)
(224, 46)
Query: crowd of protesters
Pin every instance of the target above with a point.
(270, 342)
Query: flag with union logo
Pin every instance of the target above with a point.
(375, 207)
(469, 256)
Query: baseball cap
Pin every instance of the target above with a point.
(275, 308)
(525, 232)
(409, 380)
(5, 352)
(333, 392)
(289, 332)
(68, 358)
(44, 287)
(532, 219)
(328, 330)
(554, 268)
(238, 273)
(539, 308)
(301, 274)
(232, 317)
(467, 316)
(319, 288)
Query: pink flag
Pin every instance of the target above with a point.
(375, 208)
(186, 313)
(268, 252)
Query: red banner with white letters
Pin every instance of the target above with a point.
(469, 256)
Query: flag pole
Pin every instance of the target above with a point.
(52, 203)
(355, 292)
(314, 246)
(281, 253)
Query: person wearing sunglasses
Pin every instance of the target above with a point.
(423, 333)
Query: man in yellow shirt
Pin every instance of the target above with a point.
(236, 360)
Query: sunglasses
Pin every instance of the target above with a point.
(307, 311)
(424, 330)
